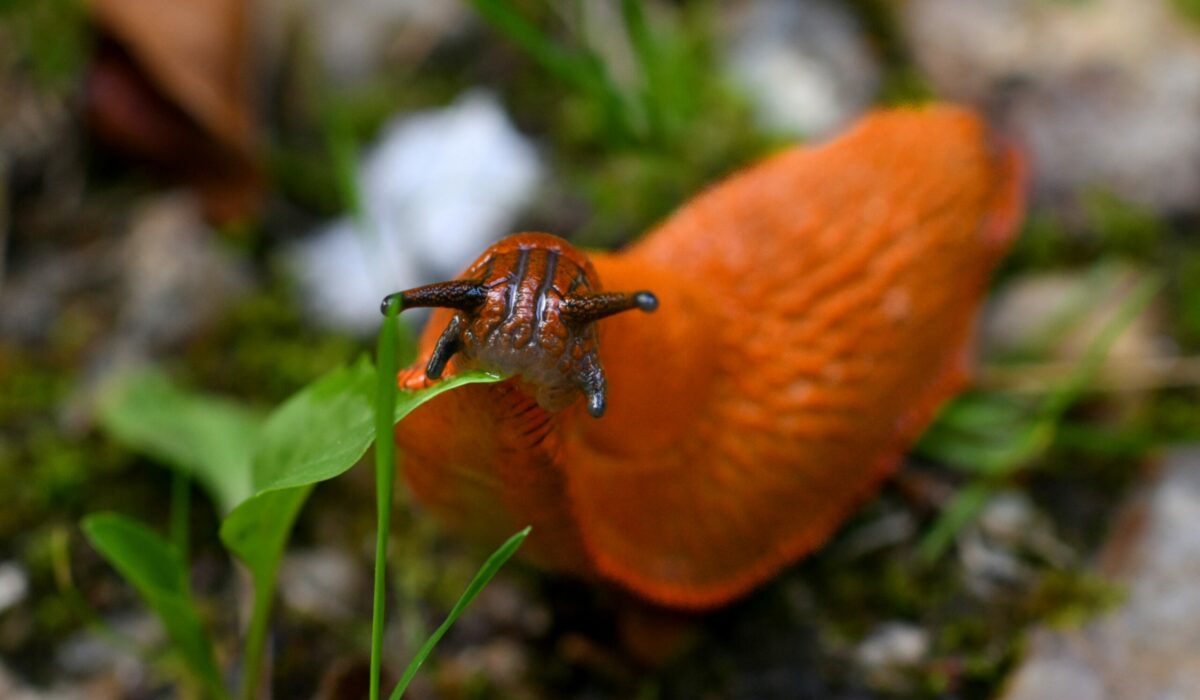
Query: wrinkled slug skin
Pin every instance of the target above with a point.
(816, 309)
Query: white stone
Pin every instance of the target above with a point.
(804, 65)
(437, 188)
(14, 585)
(1149, 647)
(326, 584)
(890, 654)
(1104, 93)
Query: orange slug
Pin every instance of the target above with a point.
(812, 312)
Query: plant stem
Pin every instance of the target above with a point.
(385, 474)
(181, 507)
(256, 638)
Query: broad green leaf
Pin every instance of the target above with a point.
(322, 431)
(257, 533)
(319, 432)
(209, 439)
(489, 569)
(157, 571)
(257, 530)
(314, 436)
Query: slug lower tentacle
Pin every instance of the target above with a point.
(816, 311)
(528, 306)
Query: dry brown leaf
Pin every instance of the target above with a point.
(195, 51)
(170, 85)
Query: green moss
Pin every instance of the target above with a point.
(1121, 227)
(27, 389)
(263, 350)
(44, 473)
(903, 83)
(50, 37)
(1104, 226)
(1189, 9)
(1186, 296)
(1173, 417)
(906, 86)
(1043, 243)
(1071, 598)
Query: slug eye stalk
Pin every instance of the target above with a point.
(468, 295)
(586, 308)
(464, 295)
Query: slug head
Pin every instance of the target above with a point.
(528, 306)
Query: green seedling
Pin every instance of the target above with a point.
(259, 473)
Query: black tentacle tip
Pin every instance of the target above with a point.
(596, 404)
(646, 301)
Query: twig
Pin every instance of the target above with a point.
(3, 216)
(1116, 375)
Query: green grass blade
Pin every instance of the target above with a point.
(1097, 350)
(1025, 440)
(567, 66)
(966, 505)
(584, 71)
(489, 569)
(339, 139)
(157, 571)
(385, 474)
(650, 61)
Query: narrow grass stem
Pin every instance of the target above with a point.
(256, 641)
(181, 512)
(482, 578)
(385, 474)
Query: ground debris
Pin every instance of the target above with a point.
(1150, 646)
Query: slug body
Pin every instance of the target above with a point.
(816, 310)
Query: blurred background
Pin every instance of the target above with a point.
(224, 190)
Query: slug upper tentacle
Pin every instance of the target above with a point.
(528, 306)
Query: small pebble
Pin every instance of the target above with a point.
(326, 584)
(1148, 648)
(890, 650)
(14, 585)
(1104, 93)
